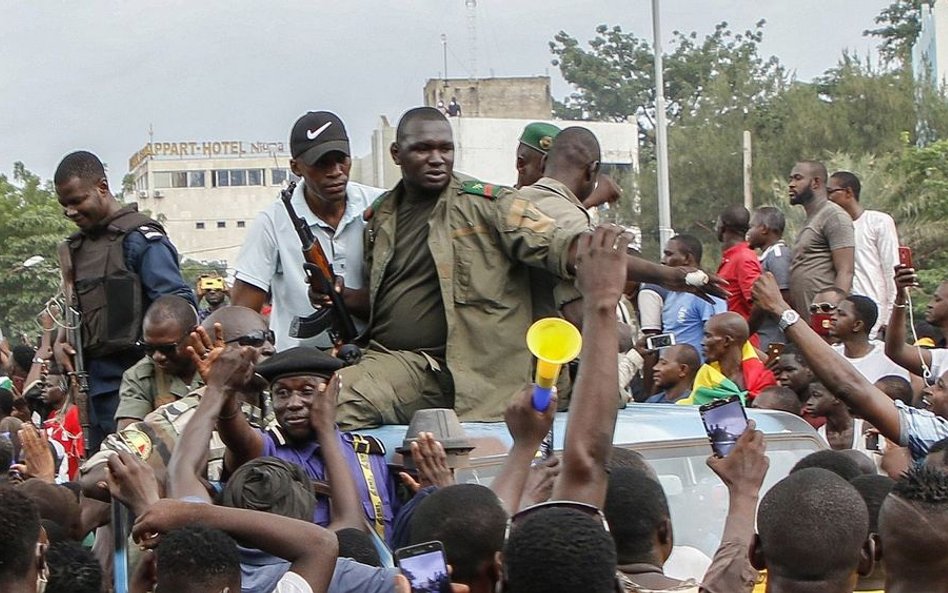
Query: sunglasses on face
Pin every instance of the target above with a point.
(165, 349)
(822, 308)
(255, 338)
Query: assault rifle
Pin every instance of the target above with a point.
(78, 378)
(334, 319)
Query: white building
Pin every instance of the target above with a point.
(930, 52)
(206, 194)
(486, 148)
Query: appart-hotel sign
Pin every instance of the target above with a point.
(217, 148)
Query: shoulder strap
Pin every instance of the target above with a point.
(361, 445)
(485, 190)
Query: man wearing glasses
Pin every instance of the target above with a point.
(823, 253)
(166, 373)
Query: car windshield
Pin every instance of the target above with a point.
(697, 498)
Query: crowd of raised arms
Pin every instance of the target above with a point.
(225, 438)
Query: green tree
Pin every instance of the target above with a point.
(899, 26)
(31, 223)
(705, 77)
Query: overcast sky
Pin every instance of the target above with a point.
(95, 74)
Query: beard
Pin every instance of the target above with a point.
(802, 197)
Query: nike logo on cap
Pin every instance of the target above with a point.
(312, 134)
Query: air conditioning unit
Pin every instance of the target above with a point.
(158, 194)
(142, 193)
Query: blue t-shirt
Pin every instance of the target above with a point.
(685, 314)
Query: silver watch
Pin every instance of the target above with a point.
(788, 318)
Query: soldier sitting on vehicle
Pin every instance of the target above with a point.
(166, 373)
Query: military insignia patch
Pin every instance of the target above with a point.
(137, 441)
(545, 142)
(479, 188)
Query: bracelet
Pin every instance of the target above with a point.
(38, 361)
(231, 415)
(897, 306)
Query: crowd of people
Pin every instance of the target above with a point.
(157, 445)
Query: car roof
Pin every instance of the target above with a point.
(637, 424)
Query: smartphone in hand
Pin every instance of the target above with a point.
(725, 421)
(425, 567)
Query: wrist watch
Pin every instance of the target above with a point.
(788, 318)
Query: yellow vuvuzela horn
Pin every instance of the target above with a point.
(554, 342)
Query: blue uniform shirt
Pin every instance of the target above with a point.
(685, 314)
(308, 457)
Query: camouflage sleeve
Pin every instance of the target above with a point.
(531, 234)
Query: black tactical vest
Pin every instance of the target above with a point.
(109, 294)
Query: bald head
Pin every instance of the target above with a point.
(235, 321)
(778, 397)
(730, 324)
(683, 354)
(574, 160)
(735, 219)
(814, 169)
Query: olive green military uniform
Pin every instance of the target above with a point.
(482, 239)
(145, 387)
(550, 292)
(154, 438)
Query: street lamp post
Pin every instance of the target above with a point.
(665, 230)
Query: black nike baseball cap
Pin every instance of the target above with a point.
(316, 134)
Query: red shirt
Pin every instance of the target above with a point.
(740, 267)
(67, 433)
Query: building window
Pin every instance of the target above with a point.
(237, 177)
(241, 224)
(281, 176)
(221, 224)
(178, 179)
(199, 226)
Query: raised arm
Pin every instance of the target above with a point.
(189, 457)
(346, 507)
(310, 549)
(833, 370)
(600, 273)
(527, 427)
(896, 344)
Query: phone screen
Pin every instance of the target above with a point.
(724, 423)
(425, 568)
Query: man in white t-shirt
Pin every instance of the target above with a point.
(877, 245)
(271, 259)
(854, 317)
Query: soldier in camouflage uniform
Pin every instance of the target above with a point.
(448, 292)
(154, 438)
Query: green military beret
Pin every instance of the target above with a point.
(539, 136)
(297, 362)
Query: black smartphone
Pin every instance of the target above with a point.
(425, 567)
(724, 421)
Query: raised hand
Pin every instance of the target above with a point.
(431, 462)
(37, 457)
(132, 481)
(527, 426)
(204, 350)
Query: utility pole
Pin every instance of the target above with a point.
(748, 164)
(665, 231)
(444, 56)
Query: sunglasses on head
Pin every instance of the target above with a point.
(822, 308)
(589, 509)
(255, 338)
